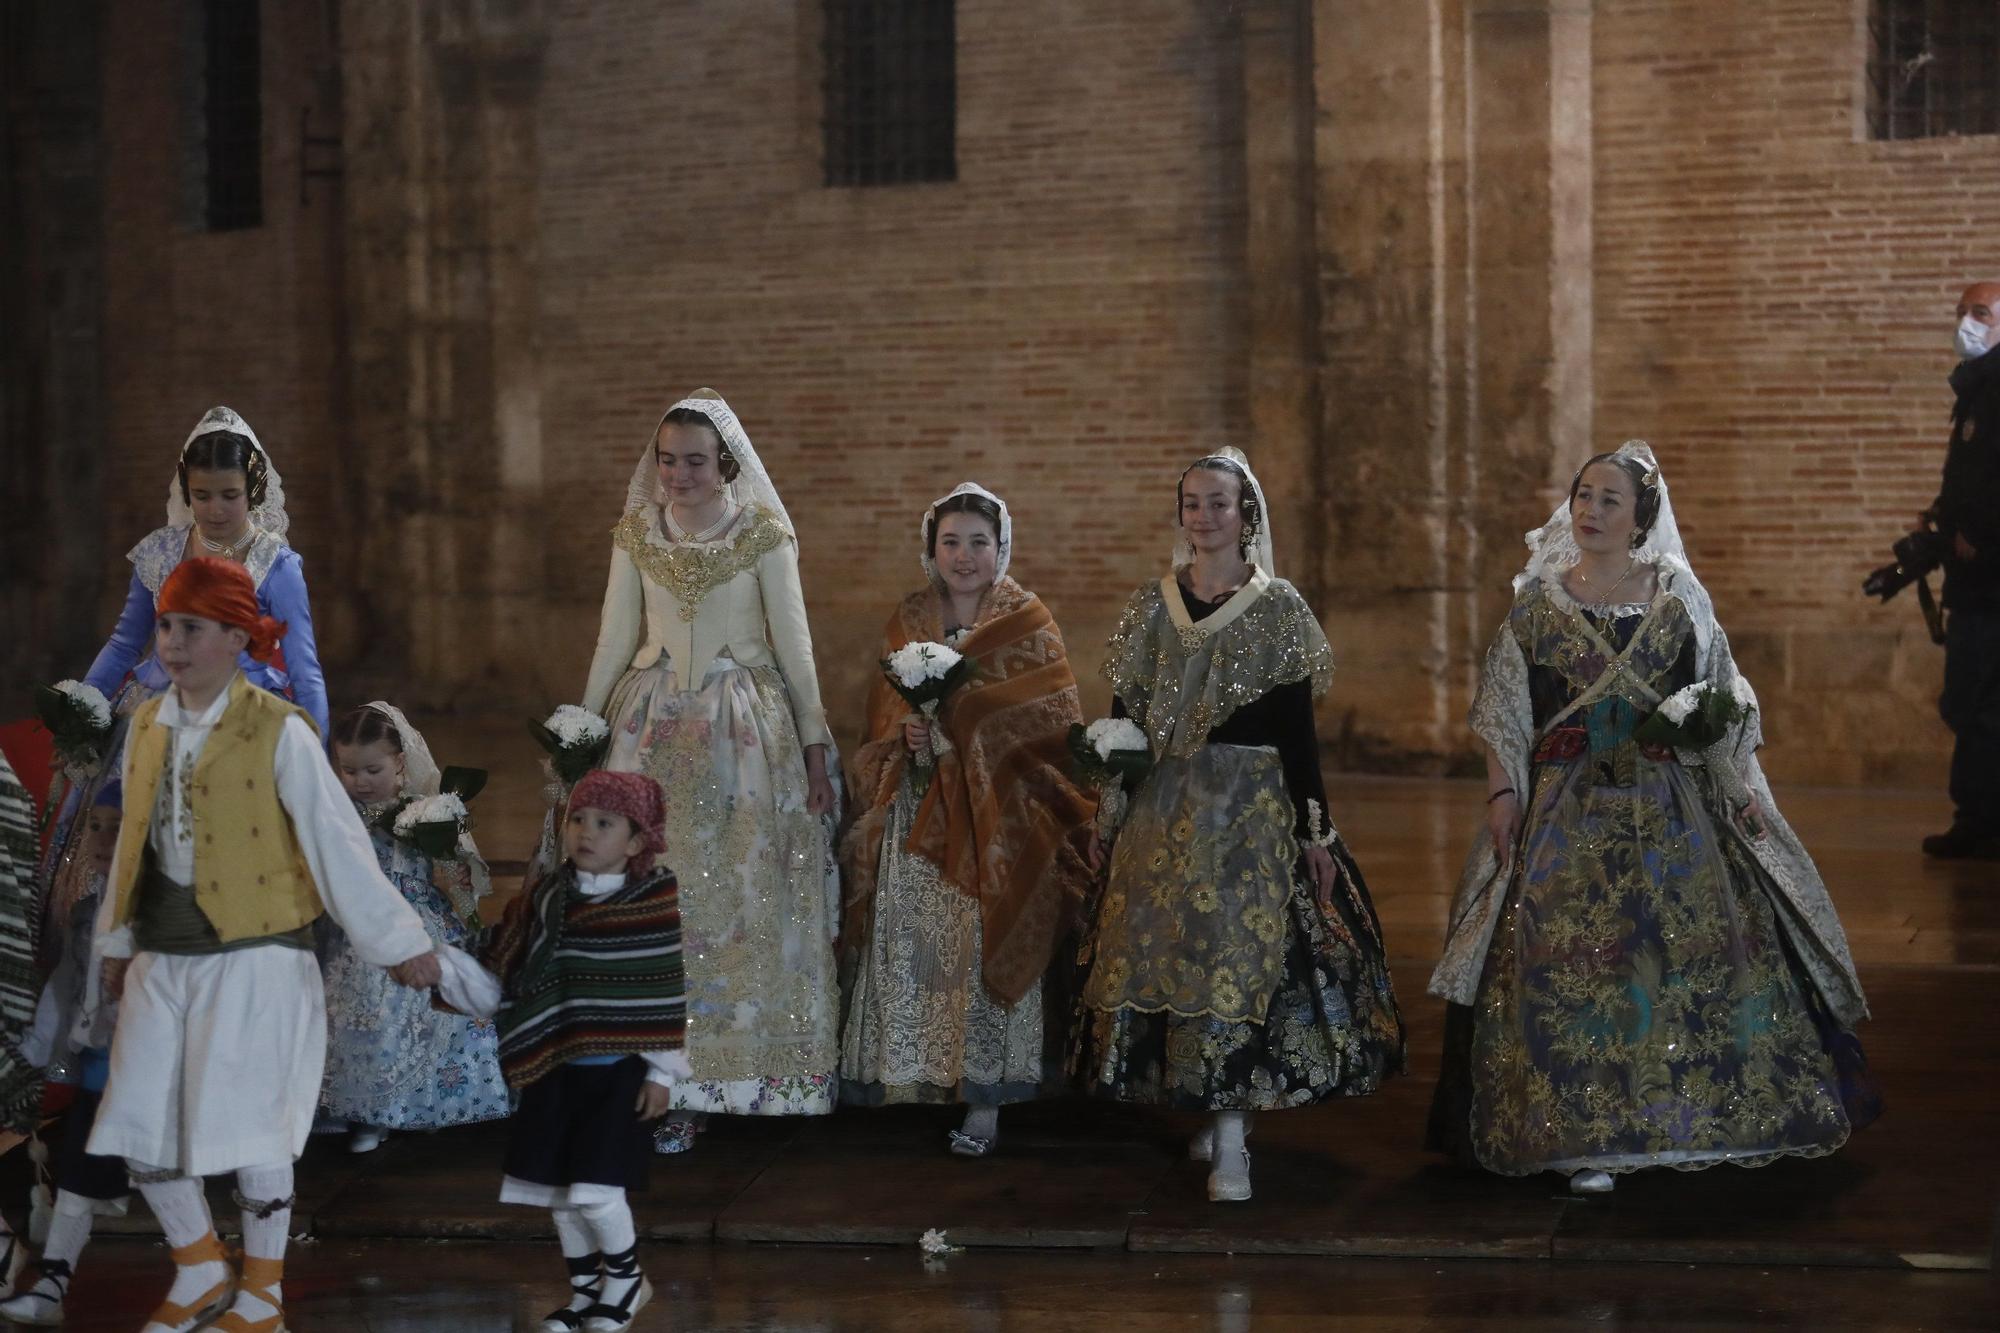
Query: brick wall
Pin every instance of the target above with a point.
(246, 317)
(1774, 304)
(1061, 324)
(560, 217)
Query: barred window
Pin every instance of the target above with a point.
(1933, 68)
(232, 117)
(890, 112)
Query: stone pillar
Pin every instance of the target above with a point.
(52, 412)
(1282, 302)
(441, 103)
(1453, 188)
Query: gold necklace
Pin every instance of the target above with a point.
(1604, 598)
(709, 533)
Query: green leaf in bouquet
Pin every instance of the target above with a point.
(544, 737)
(436, 840)
(464, 783)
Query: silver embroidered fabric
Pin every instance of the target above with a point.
(920, 1023)
(162, 549)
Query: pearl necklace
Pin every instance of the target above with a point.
(227, 549)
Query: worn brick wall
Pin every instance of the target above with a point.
(1774, 303)
(1061, 324)
(248, 317)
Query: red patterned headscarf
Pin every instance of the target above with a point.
(220, 590)
(633, 795)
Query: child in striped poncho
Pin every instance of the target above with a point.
(592, 1017)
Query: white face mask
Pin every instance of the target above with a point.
(1971, 340)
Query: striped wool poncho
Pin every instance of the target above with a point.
(584, 977)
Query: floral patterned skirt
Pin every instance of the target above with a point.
(391, 1059)
(1639, 1004)
(921, 1025)
(1301, 1009)
(758, 887)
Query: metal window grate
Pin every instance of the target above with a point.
(1933, 68)
(890, 91)
(232, 115)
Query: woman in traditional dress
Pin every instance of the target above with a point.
(393, 1060)
(225, 500)
(959, 891)
(1643, 964)
(704, 669)
(1236, 963)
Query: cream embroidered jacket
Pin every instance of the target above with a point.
(693, 602)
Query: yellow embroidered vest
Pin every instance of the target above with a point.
(250, 876)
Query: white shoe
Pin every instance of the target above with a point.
(628, 1308)
(1230, 1186)
(366, 1138)
(41, 1304)
(1591, 1182)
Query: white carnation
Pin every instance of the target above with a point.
(90, 699)
(576, 727)
(1109, 734)
(1739, 690)
(444, 808)
(1677, 706)
(915, 663)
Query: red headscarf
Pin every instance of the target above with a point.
(219, 590)
(633, 795)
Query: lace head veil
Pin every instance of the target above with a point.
(1002, 557)
(421, 775)
(1552, 548)
(1259, 551)
(752, 485)
(269, 516)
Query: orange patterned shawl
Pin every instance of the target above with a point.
(1003, 820)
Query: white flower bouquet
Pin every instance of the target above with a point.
(78, 716)
(1112, 755)
(1699, 716)
(433, 824)
(1111, 751)
(925, 674)
(575, 739)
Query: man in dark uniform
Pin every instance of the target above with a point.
(1968, 514)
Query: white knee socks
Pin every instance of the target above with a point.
(182, 1210)
(618, 1240)
(264, 1193)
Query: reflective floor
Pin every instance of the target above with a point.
(1091, 1217)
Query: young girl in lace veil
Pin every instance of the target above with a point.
(959, 893)
(1236, 963)
(704, 669)
(1643, 964)
(225, 500)
(392, 1060)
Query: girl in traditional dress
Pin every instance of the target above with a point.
(704, 669)
(1236, 963)
(226, 500)
(392, 1060)
(1643, 963)
(957, 894)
